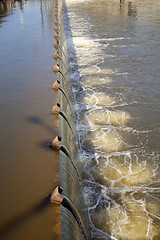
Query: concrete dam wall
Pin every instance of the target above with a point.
(74, 217)
(109, 154)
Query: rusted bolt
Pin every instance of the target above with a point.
(55, 85)
(56, 36)
(55, 56)
(56, 27)
(56, 8)
(56, 195)
(56, 109)
(55, 69)
(56, 143)
(55, 45)
(56, 22)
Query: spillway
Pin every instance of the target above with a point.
(110, 165)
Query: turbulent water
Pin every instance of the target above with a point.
(116, 89)
(28, 170)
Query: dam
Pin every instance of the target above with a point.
(100, 137)
(117, 156)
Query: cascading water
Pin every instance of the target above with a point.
(114, 76)
(74, 219)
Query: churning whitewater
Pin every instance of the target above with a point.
(120, 172)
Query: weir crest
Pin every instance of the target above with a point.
(116, 196)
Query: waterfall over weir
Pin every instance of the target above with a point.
(74, 220)
(110, 158)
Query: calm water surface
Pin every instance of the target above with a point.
(28, 170)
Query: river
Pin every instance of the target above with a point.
(114, 58)
(116, 87)
(29, 170)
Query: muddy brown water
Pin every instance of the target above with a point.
(116, 88)
(29, 170)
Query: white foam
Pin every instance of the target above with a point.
(107, 142)
(84, 42)
(132, 222)
(86, 51)
(131, 174)
(99, 99)
(85, 60)
(109, 117)
(95, 70)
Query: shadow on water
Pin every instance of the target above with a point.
(23, 217)
(38, 208)
(132, 11)
(38, 121)
(22, 214)
(121, 4)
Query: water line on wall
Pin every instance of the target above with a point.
(57, 145)
(56, 196)
(70, 176)
(56, 110)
